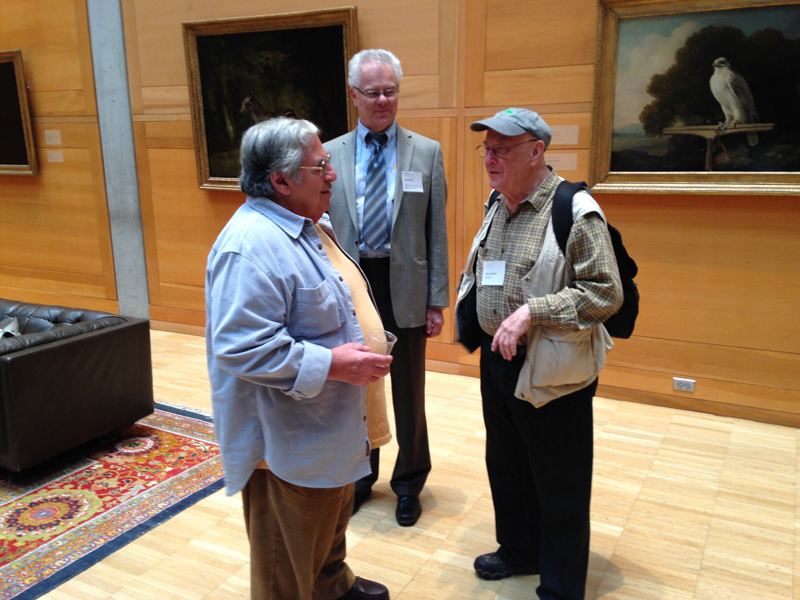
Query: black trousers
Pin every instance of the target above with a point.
(408, 392)
(539, 462)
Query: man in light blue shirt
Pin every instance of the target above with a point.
(288, 366)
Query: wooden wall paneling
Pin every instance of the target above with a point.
(54, 287)
(160, 52)
(419, 91)
(63, 208)
(60, 103)
(57, 248)
(410, 29)
(678, 358)
(640, 396)
(166, 99)
(524, 34)
(714, 269)
(132, 35)
(181, 320)
(544, 85)
(169, 134)
(61, 215)
(719, 397)
(84, 51)
(448, 65)
(475, 55)
(186, 219)
(54, 39)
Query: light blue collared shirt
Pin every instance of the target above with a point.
(363, 155)
(275, 306)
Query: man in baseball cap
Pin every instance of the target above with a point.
(540, 312)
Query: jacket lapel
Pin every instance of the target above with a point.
(346, 170)
(405, 152)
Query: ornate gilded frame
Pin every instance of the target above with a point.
(18, 154)
(602, 178)
(246, 69)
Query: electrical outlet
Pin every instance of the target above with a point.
(683, 385)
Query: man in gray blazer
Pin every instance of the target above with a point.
(388, 212)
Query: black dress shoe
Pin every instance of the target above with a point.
(359, 498)
(364, 589)
(491, 566)
(408, 510)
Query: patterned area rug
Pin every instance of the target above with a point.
(63, 518)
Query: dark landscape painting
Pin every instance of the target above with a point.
(251, 76)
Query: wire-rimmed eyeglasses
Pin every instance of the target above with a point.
(320, 166)
(388, 93)
(499, 151)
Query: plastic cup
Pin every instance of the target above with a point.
(381, 341)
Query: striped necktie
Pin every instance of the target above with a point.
(374, 226)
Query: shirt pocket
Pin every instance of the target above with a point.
(318, 311)
(563, 357)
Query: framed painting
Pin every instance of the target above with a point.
(242, 71)
(17, 151)
(697, 96)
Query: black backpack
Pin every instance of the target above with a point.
(619, 325)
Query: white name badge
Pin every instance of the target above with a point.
(494, 272)
(412, 181)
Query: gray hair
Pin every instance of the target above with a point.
(378, 56)
(273, 146)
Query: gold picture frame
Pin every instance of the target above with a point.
(17, 151)
(656, 58)
(244, 70)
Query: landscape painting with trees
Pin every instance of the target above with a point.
(708, 91)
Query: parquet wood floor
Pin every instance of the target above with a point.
(686, 505)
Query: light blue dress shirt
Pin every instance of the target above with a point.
(363, 155)
(275, 306)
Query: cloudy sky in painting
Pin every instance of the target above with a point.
(647, 45)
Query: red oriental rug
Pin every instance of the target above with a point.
(64, 517)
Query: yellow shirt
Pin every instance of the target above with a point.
(378, 428)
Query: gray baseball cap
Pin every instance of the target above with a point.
(516, 121)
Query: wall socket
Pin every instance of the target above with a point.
(684, 385)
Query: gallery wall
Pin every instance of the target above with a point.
(718, 272)
(55, 243)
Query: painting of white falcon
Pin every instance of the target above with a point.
(734, 96)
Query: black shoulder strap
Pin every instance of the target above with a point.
(493, 198)
(562, 210)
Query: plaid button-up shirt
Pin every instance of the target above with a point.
(516, 238)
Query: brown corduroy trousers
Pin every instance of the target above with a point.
(297, 539)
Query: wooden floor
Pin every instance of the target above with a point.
(685, 505)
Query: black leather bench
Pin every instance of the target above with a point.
(70, 376)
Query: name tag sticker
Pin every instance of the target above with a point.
(494, 272)
(412, 181)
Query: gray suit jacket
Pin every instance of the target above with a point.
(418, 265)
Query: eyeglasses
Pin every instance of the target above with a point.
(320, 166)
(499, 151)
(388, 93)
